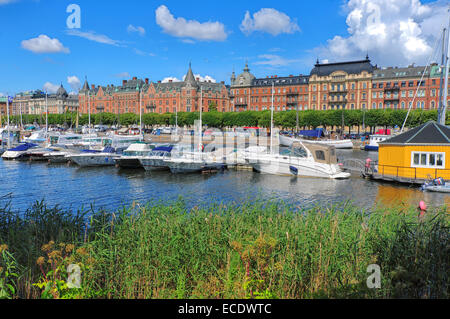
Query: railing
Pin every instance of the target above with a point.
(401, 171)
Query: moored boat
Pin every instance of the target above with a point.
(302, 159)
(437, 185)
(338, 144)
(18, 151)
(132, 155)
(92, 158)
(374, 142)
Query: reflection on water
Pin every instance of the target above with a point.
(73, 187)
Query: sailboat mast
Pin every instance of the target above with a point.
(271, 120)
(140, 112)
(176, 120)
(444, 102)
(89, 110)
(201, 124)
(46, 114)
(7, 113)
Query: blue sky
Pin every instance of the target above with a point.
(158, 39)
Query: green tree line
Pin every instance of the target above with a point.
(331, 120)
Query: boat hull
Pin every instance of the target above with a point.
(154, 164)
(124, 162)
(297, 167)
(371, 148)
(96, 160)
(338, 144)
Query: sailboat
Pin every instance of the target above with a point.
(302, 159)
(194, 160)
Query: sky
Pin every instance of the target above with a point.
(46, 43)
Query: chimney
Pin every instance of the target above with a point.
(146, 80)
(198, 79)
(134, 78)
(124, 82)
(159, 81)
(93, 86)
(170, 81)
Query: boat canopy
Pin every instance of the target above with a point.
(318, 132)
(167, 149)
(109, 149)
(23, 147)
(325, 154)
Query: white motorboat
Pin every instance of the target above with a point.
(302, 159)
(156, 160)
(193, 161)
(38, 137)
(18, 151)
(59, 154)
(438, 185)
(374, 142)
(338, 144)
(92, 158)
(132, 155)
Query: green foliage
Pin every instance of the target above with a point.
(8, 273)
(255, 250)
(285, 119)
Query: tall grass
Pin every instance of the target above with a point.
(256, 250)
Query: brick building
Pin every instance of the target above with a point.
(349, 85)
(157, 97)
(247, 93)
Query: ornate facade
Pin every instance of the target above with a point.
(157, 97)
(35, 102)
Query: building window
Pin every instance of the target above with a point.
(428, 160)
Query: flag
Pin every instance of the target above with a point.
(10, 99)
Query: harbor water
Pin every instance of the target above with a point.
(74, 188)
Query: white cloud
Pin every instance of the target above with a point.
(170, 78)
(93, 36)
(50, 87)
(74, 82)
(268, 20)
(44, 44)
(131, 28)
(123, 75)
(2, 2)
(393, 32)
(205, 78)
(274, 60)
(140, 52)
(182, 28)
(201, 78)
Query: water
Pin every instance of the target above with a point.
(71, 187)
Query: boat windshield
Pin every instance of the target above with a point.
(295, 151)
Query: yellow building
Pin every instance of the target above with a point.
(419, 154)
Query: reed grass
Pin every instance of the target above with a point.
(255, 250)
